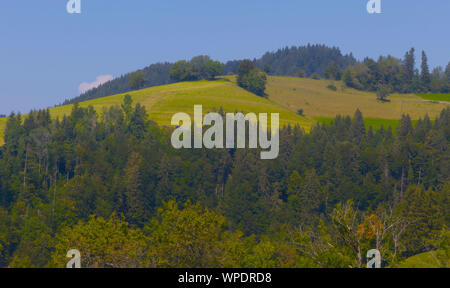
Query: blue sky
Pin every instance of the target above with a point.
(46, 53)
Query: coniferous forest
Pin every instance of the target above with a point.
(113, 187)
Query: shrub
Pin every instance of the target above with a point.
(315, 76)
(332, 87)
(301, 73)
(383, 92)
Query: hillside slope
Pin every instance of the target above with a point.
(286, 95)
(163, 102)
(283, 62)
(431, 259)
(318, 102)
(2, 129)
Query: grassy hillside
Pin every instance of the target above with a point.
(163, 102)
(317, 101)
(286, 95)
(436, 97)
(424, 260)
(376, 123)
(2, 129)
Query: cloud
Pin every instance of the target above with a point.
(102, 79)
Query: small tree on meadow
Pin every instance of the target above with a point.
(383, 92)
(301, 73)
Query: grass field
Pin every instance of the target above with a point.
(424, 260)
(2, 129)
(436, 97)
(317, 100)
(286, 95)
(163, 102)
(376, 123)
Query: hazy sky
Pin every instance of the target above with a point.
(46, 53)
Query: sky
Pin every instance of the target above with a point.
(48, 55)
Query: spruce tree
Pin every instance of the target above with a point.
(408, 68)
(358, 128)
(425, 77)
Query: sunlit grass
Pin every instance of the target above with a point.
(162, 102)
(2, 129)
(285, 95)
(317, 100)
(436, 97)
(425, 260)
(375, 123)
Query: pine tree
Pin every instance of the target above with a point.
(358, 127)
(133, 190)
(447, 75)
(421, 209)
(405, 127)
(425, 77)
(311, 194)
(408, 68)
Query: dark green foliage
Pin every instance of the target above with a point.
(310, 58)
(301, 61)
(56, 173)
(332, 87)
(200, 67)
(301, 73)
(409, 67)
(315, 76)
(181, 72)
(399, 75)
(333, 72)
(382, 92)
(425, 77)
(447, 73)
(137, 80)
(251, 78)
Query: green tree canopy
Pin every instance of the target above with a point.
(137, 80)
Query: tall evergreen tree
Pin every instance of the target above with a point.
(408, 67)
(133, 190)
(358, 127)
(447, 74)
(425, 76)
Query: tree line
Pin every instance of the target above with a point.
(392, 75)
(331, 195)
(286, 61)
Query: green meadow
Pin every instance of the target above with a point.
(425, 260)
(2, 129)
(285, 95)
(375, 123)
(162, 102)
(316, 100)
(436, 97)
